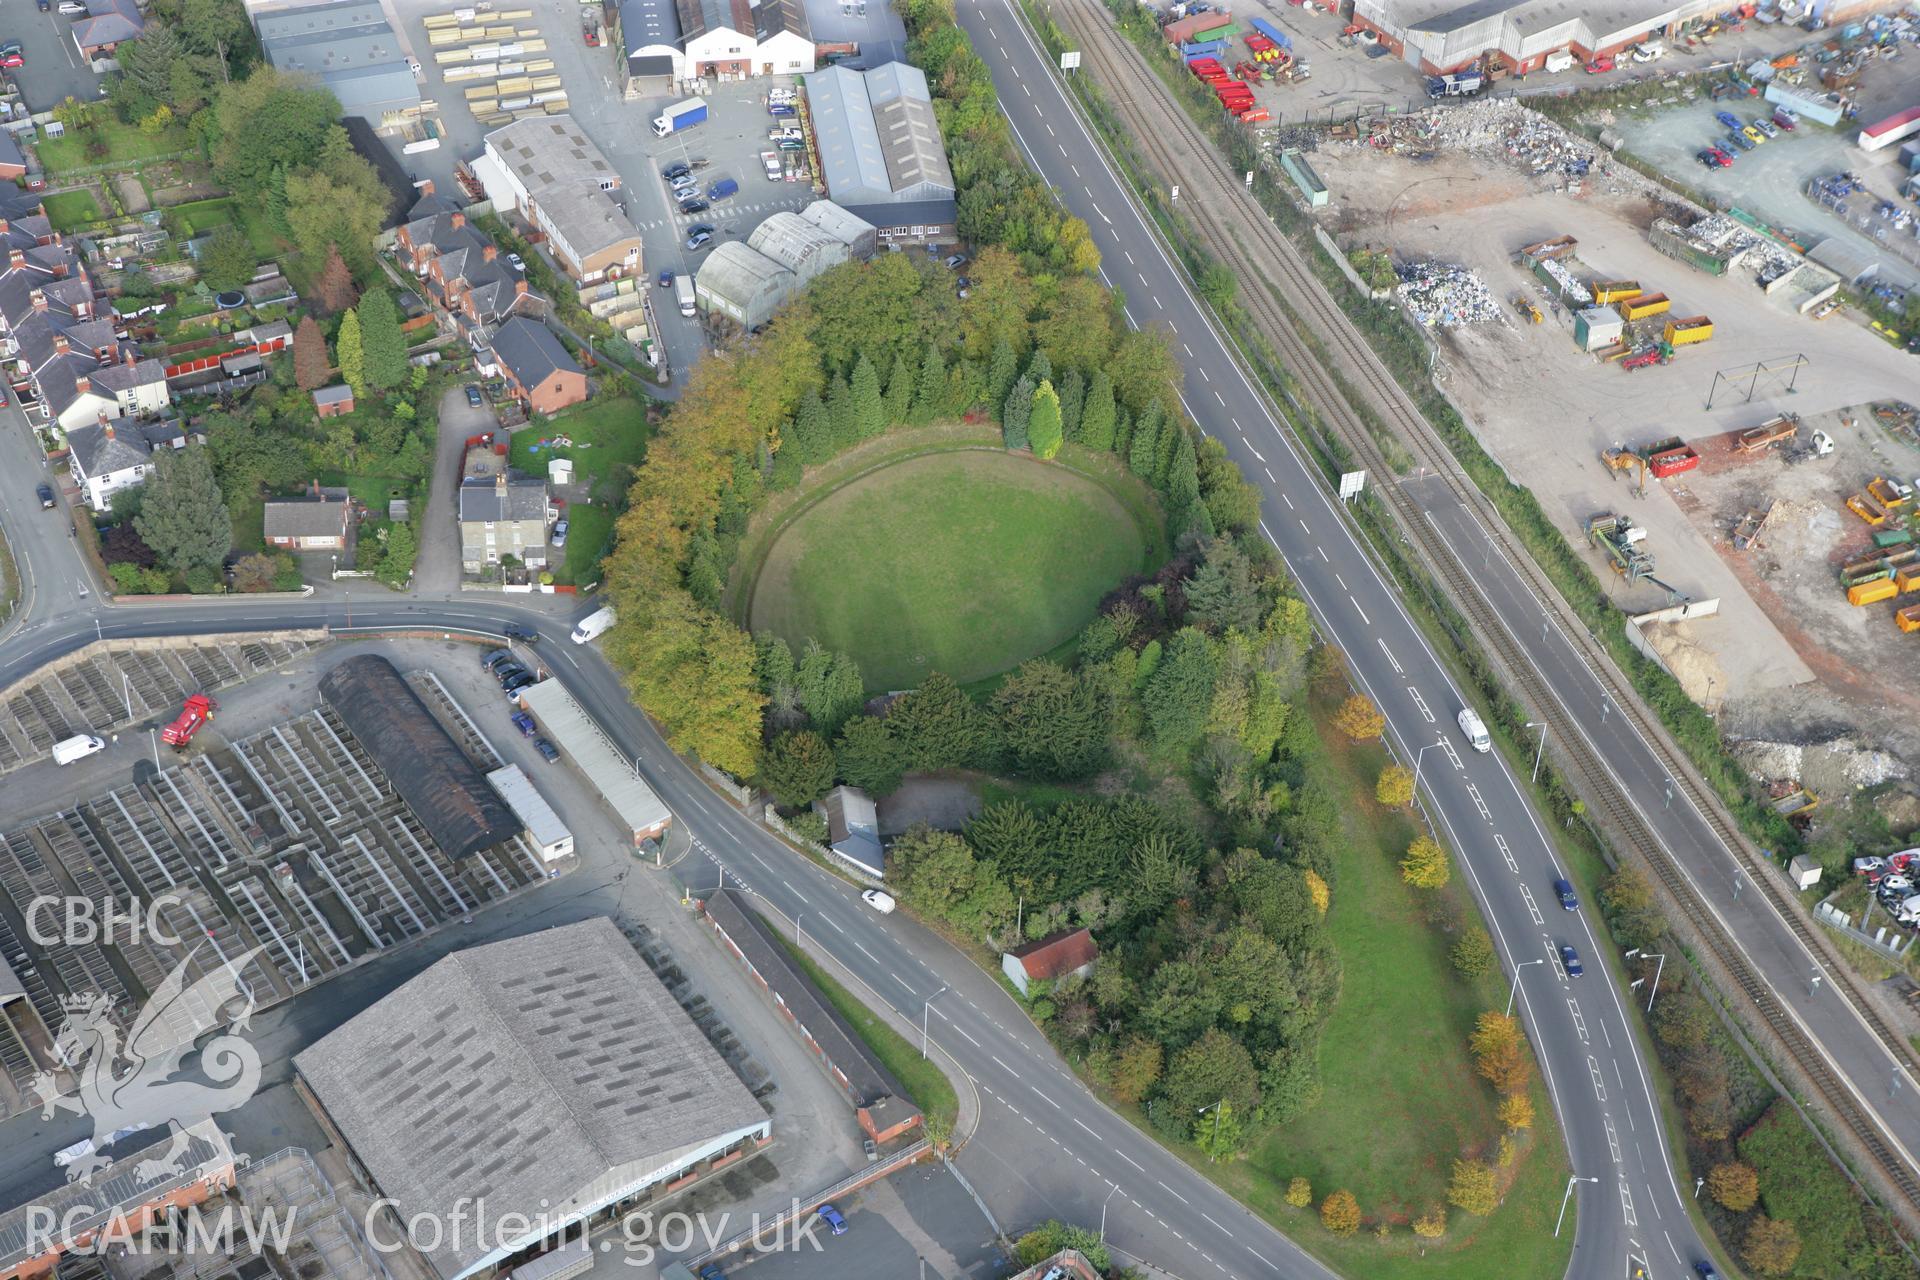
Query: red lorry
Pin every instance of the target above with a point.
(197, 712)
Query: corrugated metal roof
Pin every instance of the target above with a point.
(543, 824)
(538, 1075)
(592, 752)
(432, 774)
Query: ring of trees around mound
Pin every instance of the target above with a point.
(966, 560)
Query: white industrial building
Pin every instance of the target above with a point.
(850, 228)
(1440, 36)
(549, 835)
(550, 173)
(582, 740)
(526, 1090)
(735, 39)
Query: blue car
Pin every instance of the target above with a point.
(1571, 959)
(831, 1216)
(524, 723)
(1564, 891)
(1728, 119)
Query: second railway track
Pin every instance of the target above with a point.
(1174, 145)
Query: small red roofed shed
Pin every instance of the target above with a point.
(1071, 951)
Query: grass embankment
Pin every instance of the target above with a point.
(1402, 1100)
(926, 1085)
(966, 562)
(609, 440)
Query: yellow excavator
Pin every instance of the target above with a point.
(1621, 458)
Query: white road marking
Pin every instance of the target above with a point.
(1500, 843)
(1209, 1218)
(1599, 1081)
(1362, 612)
(1391, 660)
(1421, 703)
(903, 982)
(970, 1040)
(1049, 1101)
(1579, 1023)
(1532, 909)
(1613, 1139)
(1175, 1194)
(868, 954)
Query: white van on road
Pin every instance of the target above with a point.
(78, 747)
(1476, 732)
(593, 625)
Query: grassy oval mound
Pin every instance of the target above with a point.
(967, 562)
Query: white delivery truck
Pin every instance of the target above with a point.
(593, 625)
(683, 293)
(1476, 733)
(78, 747)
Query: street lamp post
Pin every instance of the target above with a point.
(1561, 1220)
(1515, 989)
(1698, 1182)
(1416, 763)
(1541, 749)
(1658, 969)
(1103, 1214)
(925, 1009)
(1215, 1108)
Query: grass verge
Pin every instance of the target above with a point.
(926, 1085)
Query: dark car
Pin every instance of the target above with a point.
(507, 670)
(524, 723)
(675, 170)
(1564, 891)
(695, 205)
(525, 635)
(46, 496)
(666, 280)
(514, 684)
(473, 396)
(1705, 1270)
(1711, 159)
(831, 1216)
(547, 750)
(1571, 959)
(45, 5)
(493, 660)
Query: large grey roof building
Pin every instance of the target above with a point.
(878, 138)
(549, 1075)
(350, 46)
(798, 245)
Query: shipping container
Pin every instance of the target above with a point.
(1644, 305)
(1690, 329)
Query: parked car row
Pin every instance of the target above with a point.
(513, 677)
(1891, 881)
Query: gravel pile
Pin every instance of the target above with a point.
(1445, 295)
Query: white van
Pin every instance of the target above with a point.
(593, 625)
(78, 747)
(1476, 733)
(1557, 61)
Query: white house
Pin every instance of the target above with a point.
(734, 39)
(107, 456)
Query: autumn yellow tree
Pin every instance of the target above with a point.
(1340, 1213)
(1500, 1054)
(1736, 1186)
(1771, 1246)
(1516, 1111)
(1432, 1224)
(1359, 719)
(1317, 890)
(1299, 1193)
(1472, 1188)
(1426, 865)
(1395, 787)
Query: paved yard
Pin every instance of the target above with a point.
(54, 69)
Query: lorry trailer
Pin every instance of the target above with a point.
(681, 115)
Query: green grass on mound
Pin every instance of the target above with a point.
(966, 563)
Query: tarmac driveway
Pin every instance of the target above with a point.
(437, 569)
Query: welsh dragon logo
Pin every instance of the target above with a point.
(131, 1085)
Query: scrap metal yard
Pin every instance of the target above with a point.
(1615, 259)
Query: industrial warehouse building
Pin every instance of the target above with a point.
(612, 774)
(649, 32)
(349, 45)
(747, 283)
(881, 154)
(549, 1079)
(550, 173)
(734, 39)
(432, 774)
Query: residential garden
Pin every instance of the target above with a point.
(606, 441)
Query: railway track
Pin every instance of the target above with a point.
(1243, 239)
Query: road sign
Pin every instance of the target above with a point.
(1070, 60)
(1351, 483)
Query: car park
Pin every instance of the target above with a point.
(45, 492)
(1563, 890)
(1570, 960)
(831, 1216)
(878, 900)
(474, 399)
(524, 723)
(560, 528)
(547, 750)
